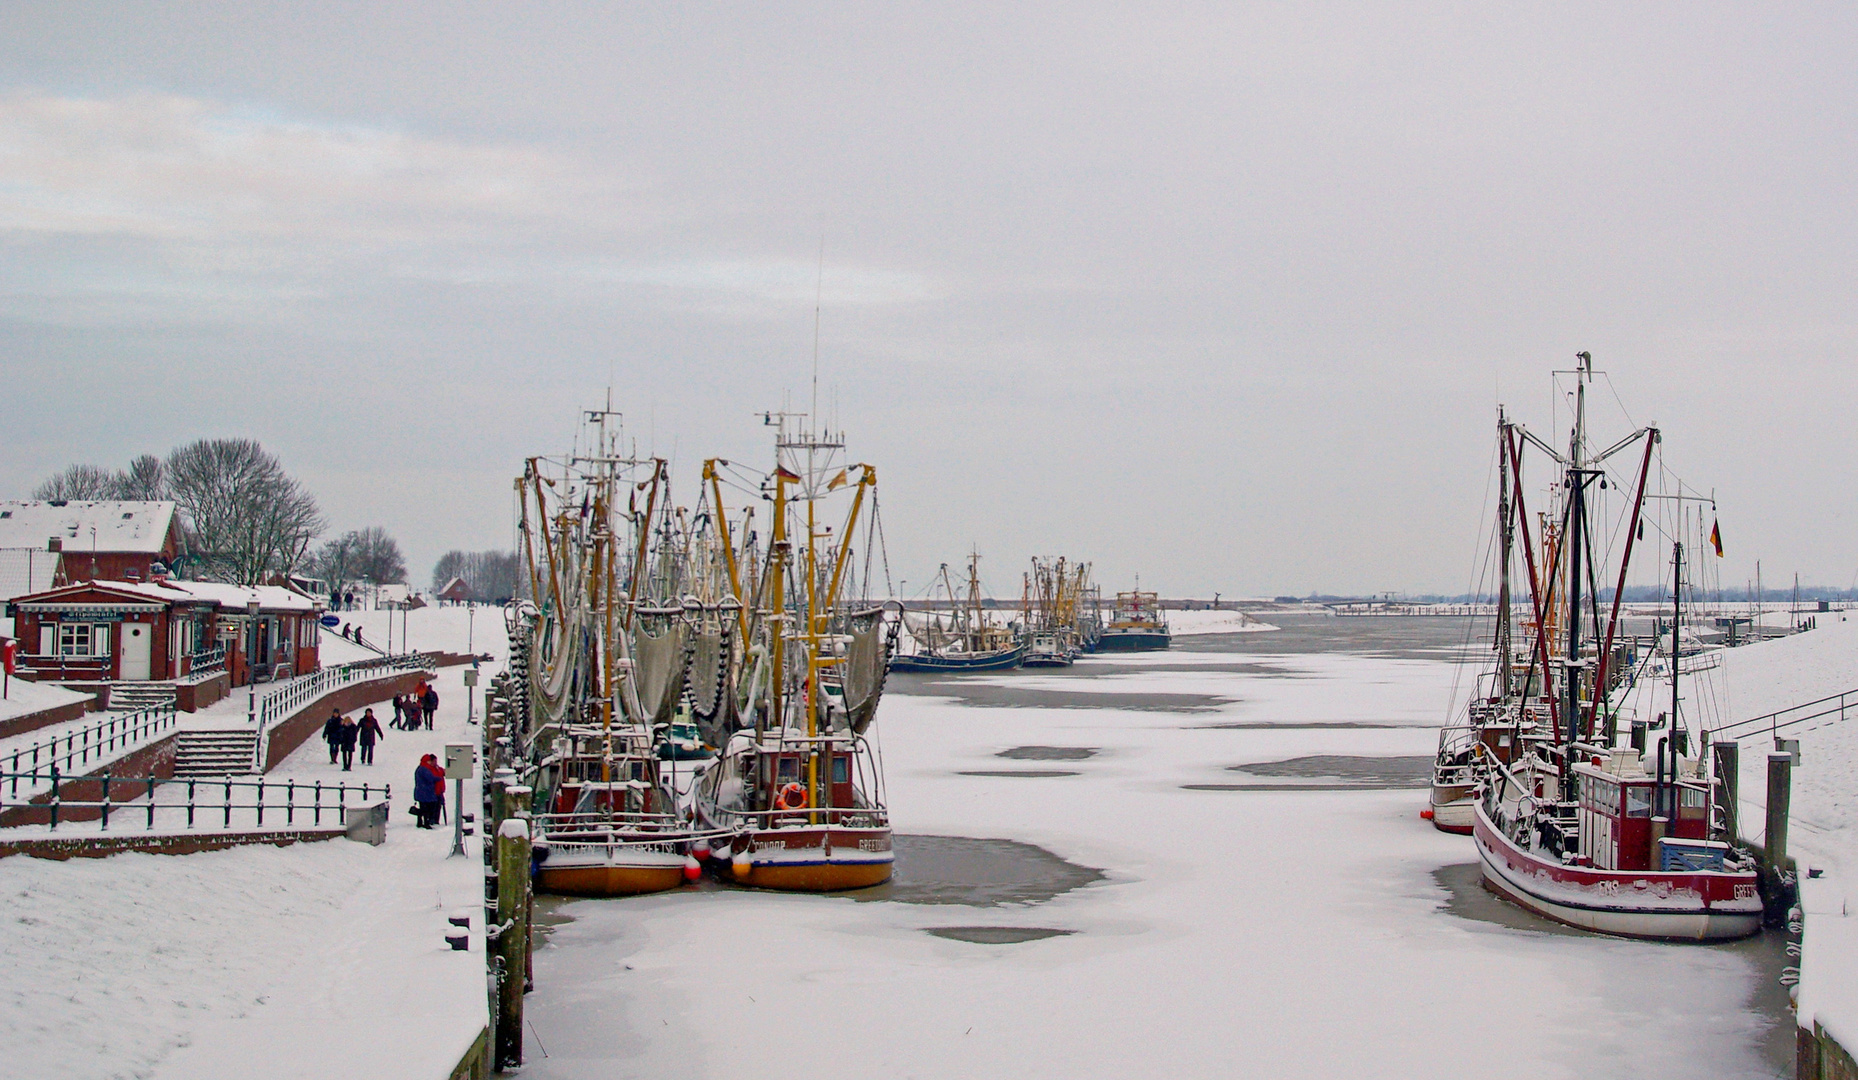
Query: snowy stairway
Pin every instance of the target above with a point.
(214, 753)
(136, 696)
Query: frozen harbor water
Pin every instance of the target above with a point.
(1309, 924)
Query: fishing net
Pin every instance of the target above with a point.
(867, 659)
(658, 665)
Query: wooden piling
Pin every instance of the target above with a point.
(1780, 794)
(1728, 775)
(513, 940)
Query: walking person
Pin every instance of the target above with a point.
(428, 790)
(429, 703)
(350, 734)
(368, 731)
(332, 733)
(399, 713)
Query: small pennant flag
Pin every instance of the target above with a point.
(837, 481)
(1716, 537)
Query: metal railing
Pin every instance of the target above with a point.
(283, 700)
(1835, 706)
(186, 801)
(76, 747)
(207, 660)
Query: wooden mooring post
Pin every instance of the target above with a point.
(1728, 774)
(1780, 795)
(512, 945)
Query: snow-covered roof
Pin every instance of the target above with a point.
(230, 598)
(140, 527)
(26, 570)
(235, 597)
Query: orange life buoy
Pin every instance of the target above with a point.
(792, 797)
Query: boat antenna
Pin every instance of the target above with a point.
(819, 294)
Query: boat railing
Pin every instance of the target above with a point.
(854, 817)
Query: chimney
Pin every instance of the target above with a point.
(56, 543)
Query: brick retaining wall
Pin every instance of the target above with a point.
(58, 714)
(96, 847)
(156, 759)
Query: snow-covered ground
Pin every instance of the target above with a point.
(318, 960)
(1823, 826)
(1241, 932)
(1188, 623)
(24, 697)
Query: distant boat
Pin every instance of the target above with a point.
(963, 640)
(1136, 625)
(1047, 650)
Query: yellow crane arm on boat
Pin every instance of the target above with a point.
(722, 524)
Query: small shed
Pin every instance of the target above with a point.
(455, 591)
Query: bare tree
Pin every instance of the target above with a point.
(146, 480)
(247, 518)
(79, 482)
(334, 562)
(489, 575)
(377, 557)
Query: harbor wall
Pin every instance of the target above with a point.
(308, 721)
(156, 759)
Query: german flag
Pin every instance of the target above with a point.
(1716, 537)
(781, 472)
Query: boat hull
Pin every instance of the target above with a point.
(1134, 641)
(924, 663)
(1453, 809)
(813, 859)
(625, 873)
(1704, 906)
(1045, 661)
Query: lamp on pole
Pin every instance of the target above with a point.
(251, 661)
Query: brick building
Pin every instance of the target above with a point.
(96, 540)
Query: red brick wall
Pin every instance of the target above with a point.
(156, 759)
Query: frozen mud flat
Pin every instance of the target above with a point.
(1289, 932)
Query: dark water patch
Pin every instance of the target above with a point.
(1024, 773)
(1467, 898)
(1367, 772)
(997, 935)
(975, 873)
(1397, 637)
(1018, 697)
(1306, 725)
(1049, 753)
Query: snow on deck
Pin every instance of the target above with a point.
(315, 960)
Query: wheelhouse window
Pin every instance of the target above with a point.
(1638, 800)
(841, 769)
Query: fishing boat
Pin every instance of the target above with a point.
(795, 798)
(1136, 625)
(1501, 710)
(605, 660)
(1574, 826)
(963, 641)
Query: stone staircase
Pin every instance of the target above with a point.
(136, 696)
(214, 753)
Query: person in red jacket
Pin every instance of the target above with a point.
(428, 790)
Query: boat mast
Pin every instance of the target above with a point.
(1505, 674)
(1577, 484)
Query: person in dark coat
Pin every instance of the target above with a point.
(350, 734)
(332, 733)
(429, 703)
(368, 731)
(399, 713)
(428, 790)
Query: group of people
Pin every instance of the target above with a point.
(345, 733)
(410, 710)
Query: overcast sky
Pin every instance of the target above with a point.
(1222, 296)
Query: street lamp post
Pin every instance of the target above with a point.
(251, 662)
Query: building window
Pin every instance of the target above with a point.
(83, 639)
